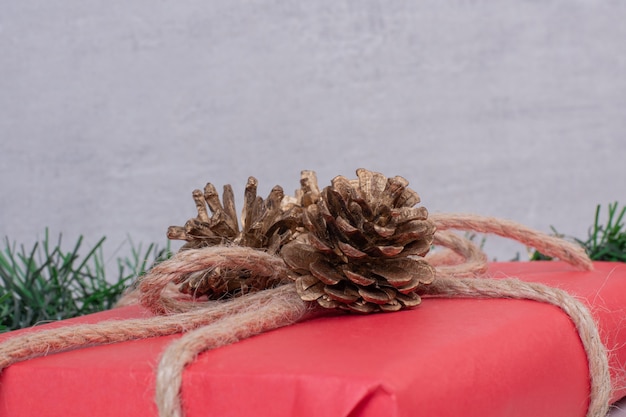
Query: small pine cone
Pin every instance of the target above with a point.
(365, 246)
(266, 225)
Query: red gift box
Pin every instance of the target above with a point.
(448, 357)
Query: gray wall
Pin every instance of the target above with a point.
(111, 113)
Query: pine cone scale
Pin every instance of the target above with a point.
(387, 251)
(394, 275)
(360, 306)
(324, 271)
(405, 214)
(327, 302)
(309, 288)
(391, 307)
(228, 198)
(409, 300)
(198, 198)
(357, 278)
(417, 248)
(376, 295)
(298, 256)
(384, 232)
(211, 198)
(346, 228)
(321, 246)
(344, 295)
(410, 287)
(350, 251)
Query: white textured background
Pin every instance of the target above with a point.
(111, 113)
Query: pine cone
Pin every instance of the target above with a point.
(266, 225)
(365, 246)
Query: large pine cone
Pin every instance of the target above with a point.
(266, 225)
(365, 245)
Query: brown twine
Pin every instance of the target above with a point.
(546, 244)
(43, 342)
(211, 324)
(286, 308)
(153, 287)
(463, 259)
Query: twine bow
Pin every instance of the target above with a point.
(207, 324)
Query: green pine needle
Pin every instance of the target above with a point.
(47, 283)
(605, 242)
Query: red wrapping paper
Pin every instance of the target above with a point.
(448, 357)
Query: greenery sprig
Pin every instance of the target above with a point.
(47, 283)
(605, 242)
